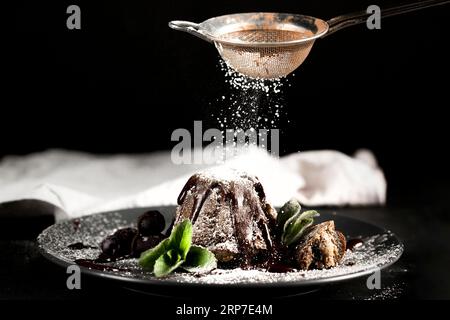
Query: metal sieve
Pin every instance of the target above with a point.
(271, 45)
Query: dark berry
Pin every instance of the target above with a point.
(143, 243)
(119, 243)
(110, 246)
(151, 223)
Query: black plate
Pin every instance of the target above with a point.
(381, 249)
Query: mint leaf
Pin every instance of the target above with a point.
(296, 225)
(181, 238)
(167, 263)
(177, 251)
(287, 211)
(309, 214)
(200, 260)
(290, 221)
(295, 230)
(149, 257)
(173, 256)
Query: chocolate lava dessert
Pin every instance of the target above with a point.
(232, 219)
(230, 216)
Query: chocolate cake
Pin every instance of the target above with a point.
(229, 214)
(320, 247)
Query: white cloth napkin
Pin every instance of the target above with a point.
(81, 183)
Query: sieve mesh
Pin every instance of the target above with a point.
(264, 61)
(265, 35)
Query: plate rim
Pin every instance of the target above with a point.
(170, 282)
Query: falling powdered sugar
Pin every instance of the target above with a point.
(250, 103)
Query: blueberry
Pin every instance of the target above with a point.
(151, 223)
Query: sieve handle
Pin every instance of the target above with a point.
(351, 19)
(190, 27)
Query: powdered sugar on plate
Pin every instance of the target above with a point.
(374, 254)
(378, 251)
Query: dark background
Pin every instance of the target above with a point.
(125, 81)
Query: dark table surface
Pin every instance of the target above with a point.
(422, 271)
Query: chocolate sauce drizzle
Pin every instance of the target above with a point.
(100, 263)
(199, 202)
(191, 183)
(354, 243)
(76, 224)
(80, 246)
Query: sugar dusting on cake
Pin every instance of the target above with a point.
(224, 174)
